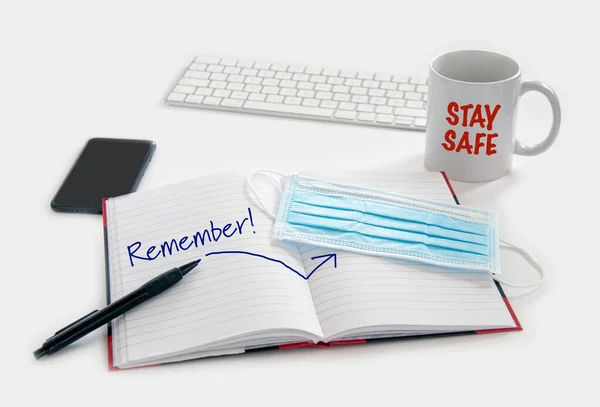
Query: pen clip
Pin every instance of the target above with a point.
(80, 319)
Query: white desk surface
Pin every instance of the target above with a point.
(72, 70)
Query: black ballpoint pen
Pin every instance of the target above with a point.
(98, 318)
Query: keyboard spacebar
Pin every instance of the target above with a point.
(293, 109)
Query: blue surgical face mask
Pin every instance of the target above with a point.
(381, 223)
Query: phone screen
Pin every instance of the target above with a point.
(105, 168)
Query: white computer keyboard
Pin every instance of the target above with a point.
(299, 91)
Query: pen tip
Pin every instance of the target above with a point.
(186, 268)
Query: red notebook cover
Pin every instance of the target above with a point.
(320, 344)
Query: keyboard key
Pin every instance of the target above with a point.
(347, 106)
(425, 97)
(385, 118)
(345, 114)
(194, 99)
(292, 109)
(248, 88)
(413, 96)
(334, 80)
(291, 100)
(184, 89)
(194, 82)
(323, 95)
(383, 77)
(405, 87)
(222, 93)
(253, 80)
(236, 78)
(355, 90)
(341, 89)
(288, 84)
(283, 75)
(353, 82)
(207, 59)
(311, 102)
(323, 87)
(404, 111)
(403, 120)
(232, 103)
(376, 92)
(414, 104)
(313, 70)
(396, 94)
(197, 74)
(318, 79)
(330, 72)
(389, 86)
(210, 100)
(215, 68)
(422, 88)
(274, 99)
(377, 100)
(306, 93)
(421, 122)
(397, 102)
(270, 90)
(218, 76)
(360, 99)
(245, 64)
(238, 86)
(330, 104)
(198, 67)
(341, 97)
(249, 71)
(400, 79)
(263, 73)
(231, 70)
(384, 109)
(371, 84)
(217, 84)
(204, 91)
(270, 82)
(301, 77)
(366, 117)
(287, 92)
(257, 97)
(176, 97)
(365, 75)
(419, 81)
(305, 85)
(347, 74)
(363, 107)
(239, 95)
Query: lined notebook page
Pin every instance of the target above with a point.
(228, 295)
(368, 291)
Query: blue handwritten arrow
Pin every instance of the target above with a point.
(326, 256)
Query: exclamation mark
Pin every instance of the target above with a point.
(251, 220)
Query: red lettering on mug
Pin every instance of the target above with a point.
(471, 115)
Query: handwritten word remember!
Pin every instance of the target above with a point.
(210, 234)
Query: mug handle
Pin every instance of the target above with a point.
(528, 86)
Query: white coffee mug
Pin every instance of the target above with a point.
(472, 113)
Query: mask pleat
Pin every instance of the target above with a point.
(312, 224)
(390, 211)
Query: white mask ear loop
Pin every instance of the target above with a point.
(527, 257)
(269, 174)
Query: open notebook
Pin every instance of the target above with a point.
(250, 292)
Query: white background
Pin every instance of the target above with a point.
(70, 71)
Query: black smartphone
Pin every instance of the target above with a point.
(105, 168)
